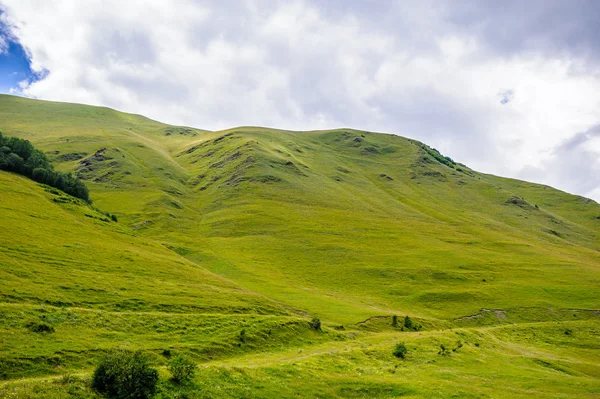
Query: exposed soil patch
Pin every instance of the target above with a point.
(98, 156)
(266, 179)
(517, 201)
(74, 156)
(183, 131)
(229, 159)
(93, 163)
(499, 314)
(215, 141)
(370, 150)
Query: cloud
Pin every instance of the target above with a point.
(548, 27)
(5, 36)
(506, 96)
(500, 87)
(574, 164)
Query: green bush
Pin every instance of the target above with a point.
(410, 325)
(125, 375)
(394, 321)
(182, 369)
(443, 350)
(400, 351)
(315, 324)
(41, 328)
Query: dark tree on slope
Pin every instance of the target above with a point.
(20, 156)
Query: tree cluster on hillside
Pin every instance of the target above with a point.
(20, 156)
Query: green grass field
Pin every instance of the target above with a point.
(259, 230)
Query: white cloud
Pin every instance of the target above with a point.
(403, 68)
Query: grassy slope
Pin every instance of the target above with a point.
(431, 240)
(343, 224)
(100, 286)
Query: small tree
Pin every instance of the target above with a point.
(394, 321)
(400, 350)
(315, 323)
(408, 323)
(125, 375)
(182, 368)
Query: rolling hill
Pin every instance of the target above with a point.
(261, 229)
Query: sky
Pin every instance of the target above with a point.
(506, 87)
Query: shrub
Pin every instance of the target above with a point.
(400, 351)
(42, 328)
(125, 375)
(394, 321)
(182, 369)
(114, 218)
(408, 323)
(443, 350)
(242, 336)
(315, 324)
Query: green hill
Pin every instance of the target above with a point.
(260, 229)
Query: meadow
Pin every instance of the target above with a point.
(260, 230)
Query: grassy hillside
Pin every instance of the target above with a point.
(260, 229)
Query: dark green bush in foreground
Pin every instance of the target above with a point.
(182, 369)
(125, 375)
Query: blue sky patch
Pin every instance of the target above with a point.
(14, 63)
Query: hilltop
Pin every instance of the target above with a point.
(261, 229)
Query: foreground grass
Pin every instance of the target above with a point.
(516, 361)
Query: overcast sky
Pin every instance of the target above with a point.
(506, 87)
